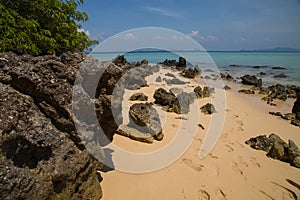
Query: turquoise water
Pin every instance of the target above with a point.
(222, 60)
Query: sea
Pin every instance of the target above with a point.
(237, 63)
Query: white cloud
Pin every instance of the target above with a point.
(80, 30)
(193, 34)
(164, 12)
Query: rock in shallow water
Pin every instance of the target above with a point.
(251, 80)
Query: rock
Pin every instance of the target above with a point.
(198, 92)
(278, 68)
(181, 64)
(174, 81)
(264, 91)
(201, 126)
(176, 90)
(190, 73)
(135, 134)
(295, 122)
(280, 76)
(277, 92)
(207, 91)
(119, 60)
(158, 79)
(42, 156)
(226, 87)
(233, 65)
(261, 142)
(279, 114)
(138, 97)
(169, 62)
(258, 67)
(296, 107)
(185, 99)
(289, 116)
(262, 73)
(208, 108)
(170, 75)
(144, 118)
(251, 80)
(279, 150)
(247, 91)
(276, 148)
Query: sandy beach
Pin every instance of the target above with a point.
(232, 170)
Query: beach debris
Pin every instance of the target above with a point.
(280, 76)
(158, 79)
(247, 91)
(251, 80)
(208, 109)
(226, 87)
(201, 126)
(138, 97)
(277, 148)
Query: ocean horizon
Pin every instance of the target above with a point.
(236, 63)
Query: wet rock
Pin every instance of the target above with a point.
(138, 97)
(190, 73)
(277, 91)
(251, 80)
(280, 76)
(247, 91)
(258, 67)
(264, 91)
(208, 109)
(278, 67)
(262, 73)
(158, 79)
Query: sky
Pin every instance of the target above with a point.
(223, 25)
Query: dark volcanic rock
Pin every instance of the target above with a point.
(277, 148)
(278, 68)
(251, 80)
(280, 76)
(247, 91)
(138, 97)
(208, 108)
(198, 92)
(296, 107)
(258, 67)
(181, 64)
(167, 99)
(226, 87)
(190, 72)
(120, 60)
(261, 142)
(170, 75)
(41, 155)
(207, 91)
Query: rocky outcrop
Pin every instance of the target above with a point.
(206, 92)
(42, 156)
(296, 107)
(227, 77)
(158, 79)
(251, 80)
(174, 81)
(280, 76)
(170, 75)
(138, 97)
(144, 124)
(277, 148)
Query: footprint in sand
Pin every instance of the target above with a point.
(220, 194)
(237, 169)
(241, 124)
(189, 163)
(286, 193)
(213, 156)
(242, 162)
(254, 162)
(203, 195)
(240, 145)
(229, 148)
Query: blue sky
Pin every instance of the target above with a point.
(215, 24)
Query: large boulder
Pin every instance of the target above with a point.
(190, 73)
(42, 155)
(251, 80)
(167, 99)
(261, 142)
(208, 109)
(144, 124)
(181, 63)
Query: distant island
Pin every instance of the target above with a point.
(276, 49)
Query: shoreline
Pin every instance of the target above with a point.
(251, 173)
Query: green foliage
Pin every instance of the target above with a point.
(40, 27)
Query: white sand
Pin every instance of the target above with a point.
(232, 170)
